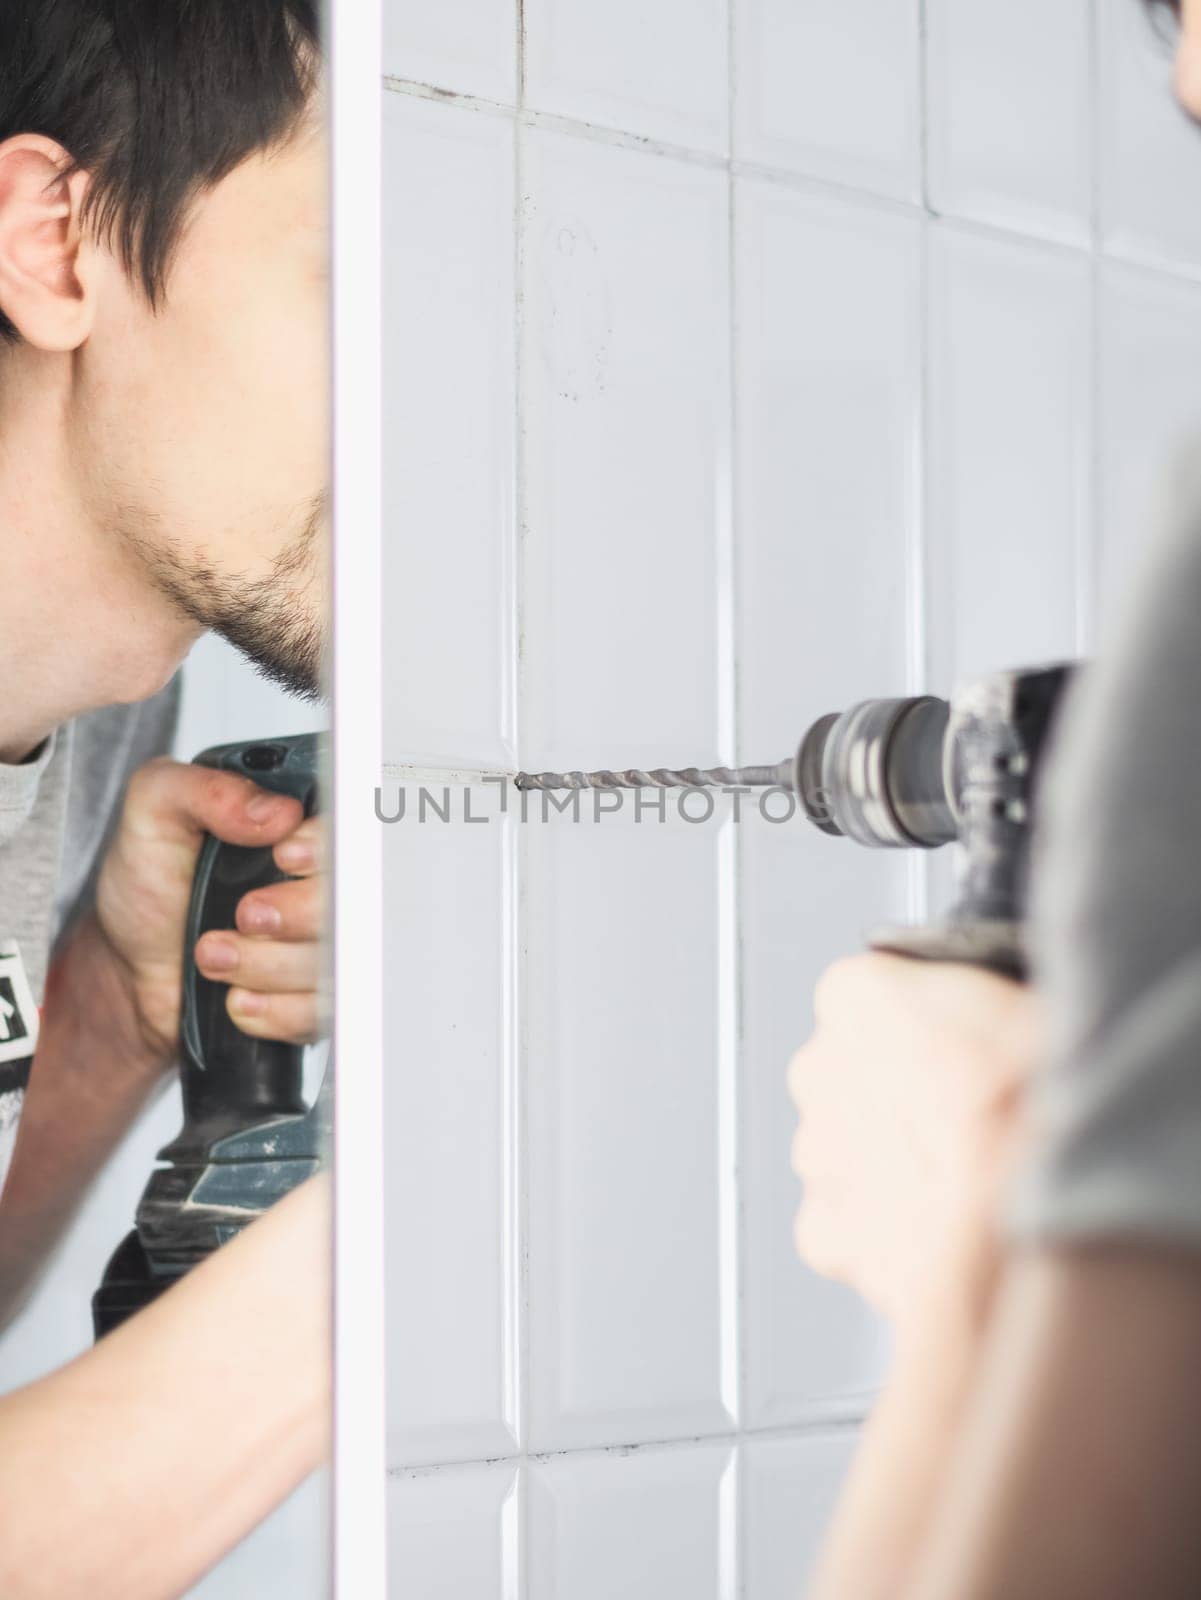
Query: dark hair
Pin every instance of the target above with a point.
(156, 100)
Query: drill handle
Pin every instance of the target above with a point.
(993, 944)
(230, 1080)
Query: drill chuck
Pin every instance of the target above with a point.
(880, 774)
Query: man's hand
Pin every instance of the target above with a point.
(272, 960)
(907, 1094)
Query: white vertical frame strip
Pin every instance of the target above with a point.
(359, 1463)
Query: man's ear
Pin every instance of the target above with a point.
(45, 255)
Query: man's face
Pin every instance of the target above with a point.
(206, 422)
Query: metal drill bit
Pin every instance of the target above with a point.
(663, 778)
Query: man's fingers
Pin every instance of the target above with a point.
(303, 852)
(815, 1234)
(800, 1072)
(266, 965)
(284, 911)
(291, 1018)
(175, 799)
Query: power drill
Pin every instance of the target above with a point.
(917, 773)
(248, 1136)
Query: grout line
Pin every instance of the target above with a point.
(1014, 238)
(1093, 46)
(917, 886)
(431, 91)
(844, 1421)
(1089, 544)
(513, 1539)
(415, 772)
(923, 102)
(624, 139)
(521, 508)
(807, 183)
(521, 1136)
(513, 1336)
(521, 43)
(731, 75)
(799, 182)
(730, 1523)
(917, 564)
(1176, 272)
(1087, 541)
(514, 553)
(731, 1108)
(521, 971)
(729, 1098)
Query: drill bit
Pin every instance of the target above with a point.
(663, 778)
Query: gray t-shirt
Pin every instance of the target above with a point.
(1117, 921)
(57, 813)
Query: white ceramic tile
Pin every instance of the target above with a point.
(830, 89)
(829, 303)
(451, 1257)
(645, 1526)
(467, 46)
(1010, 454)
(627, 453)
(454, 1534)
(1150, 409)
(1150, 152)
(790, 1492)
(811, 1347)
(449, 435)
(657, 70)
(1010, 106)
(625, 1165)
(829, 365)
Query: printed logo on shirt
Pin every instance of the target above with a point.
(18, 1020)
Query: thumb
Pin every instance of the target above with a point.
(175, 802)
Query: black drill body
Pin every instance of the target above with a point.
(248, 1136)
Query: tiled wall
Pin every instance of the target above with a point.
(744, 358)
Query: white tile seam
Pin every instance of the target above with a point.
(731, 1519)
(730, 860)
(403, 772)
(740, 1439)
(578, 128)
(513, 1539)
(519, 17)
(1153, 266)
(923, 101)
(917, 640)
(729, 1208)
(513, 712)
(917, 631)
(844, 1416)
(417, 90)
(1087, 535)
(522, 972)
(801, 182)
(511, 1134)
